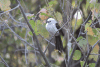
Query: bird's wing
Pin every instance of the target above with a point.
(58, 27)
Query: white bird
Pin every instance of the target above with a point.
(52, 27)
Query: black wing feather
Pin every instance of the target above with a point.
(58, 43)
(58, 27)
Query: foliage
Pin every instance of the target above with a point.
(77, 55)
(19, 49)
(4, 5)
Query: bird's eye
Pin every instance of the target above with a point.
(48, 21)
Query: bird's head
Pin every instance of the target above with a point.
(51, 20)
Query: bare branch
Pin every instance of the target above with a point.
(87, 56)
(69, 63)
(4, 61)
(91, 48)
(10, 10)
(98, 60)
(39, 48)
(82, 25)
(95, 44)
(19, 36)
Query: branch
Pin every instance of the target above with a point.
(48, 42)
(84, 23)
(16, 20)
(3, 28)
(77, 44)
(69, 63)
(19, 36)
(87, 56)
(91, 48)
(10, 10)
(4, 61)
(98, 60)
(95, 44)
(34, 35)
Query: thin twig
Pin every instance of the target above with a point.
(98, 60)
(69, 63)
(91, 48)
(4, 61)
(2, 31)
(84, 23)
(2, 27)
(87, 56)
(48, 40)
(48, 44)
(95, 44)
(77, 44)
(75, 23)
(10, 10)
(94, 54)
(16, 20)
(87, 42)
(94, 24)
(72, 65)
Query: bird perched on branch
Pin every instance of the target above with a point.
(54, 29)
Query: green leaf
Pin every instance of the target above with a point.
(91, 64)
(91, 5)
(90, 21)
(94, 57)
(80, 0)
(82, 62)
(83, 44)
(30, 33)
(0, 32)
(41, 29)
(87, 4)
(92, 40)
(10, 48)
(51, 3)
(30, 17)
(78, 24)
(59, 17)
(32, 23)
(77, 55)
(94, 31)
(44, 14)
(88, 24)
(97, 5)
(79, 38)
(4, 5)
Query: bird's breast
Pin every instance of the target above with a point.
(51, 28)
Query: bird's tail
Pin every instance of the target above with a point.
(58, 43)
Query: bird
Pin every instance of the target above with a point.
(53, 27)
